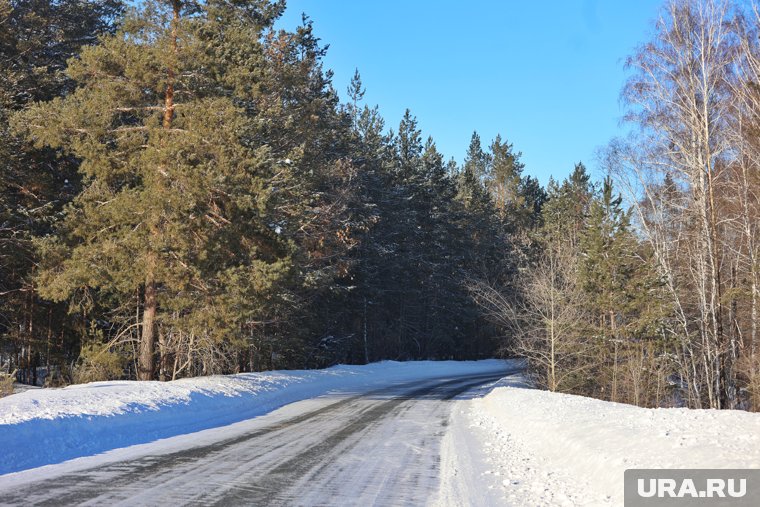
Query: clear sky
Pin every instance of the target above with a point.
(545, 74)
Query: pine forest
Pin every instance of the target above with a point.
(183, 192)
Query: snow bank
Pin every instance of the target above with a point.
(553, 449)
(45, 426)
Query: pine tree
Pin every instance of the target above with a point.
(37, 37)
(178, 195)
(608, 247)
(316, 204)
(504, 180)
(533, 196)
(551, 304)
(566, 209)
(372, 140)
(407, 146)
(624, 297)
(475, 168)
(356, 93)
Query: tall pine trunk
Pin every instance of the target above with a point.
(148, 339)
(146, 366)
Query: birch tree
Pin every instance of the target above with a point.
(679, 97)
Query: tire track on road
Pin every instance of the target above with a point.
(260, 467)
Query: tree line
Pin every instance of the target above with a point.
(654, 300)
(185, 194)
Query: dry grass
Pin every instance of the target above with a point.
(6, 383)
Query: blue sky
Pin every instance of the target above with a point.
(545, 74)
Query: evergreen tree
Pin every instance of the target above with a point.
(566, 209)
(551, 304)
(37, 37)
(180, 192)
(533, 196)
(504, 180)
(356, 93)
(623, 293)
(407, 146)
(609, 248)
(475, 170)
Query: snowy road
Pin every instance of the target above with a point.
(377, 448)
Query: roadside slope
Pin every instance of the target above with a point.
(46, 426)
(543, 448)
(312, 452)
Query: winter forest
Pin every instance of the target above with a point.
(184, 193)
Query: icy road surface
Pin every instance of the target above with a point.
(381, 447)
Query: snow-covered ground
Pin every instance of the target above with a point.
(502, 443)
(539, 448)
(46, 426)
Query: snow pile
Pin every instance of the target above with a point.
(547, 448)
(45, 426)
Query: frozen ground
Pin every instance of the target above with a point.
(426, 433)
(541, 448)
(46, 426)
(368, 447)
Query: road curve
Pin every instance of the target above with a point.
(375, 448)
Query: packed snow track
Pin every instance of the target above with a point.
(380, 447)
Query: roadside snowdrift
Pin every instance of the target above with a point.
(554, 449)
(45, 426)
